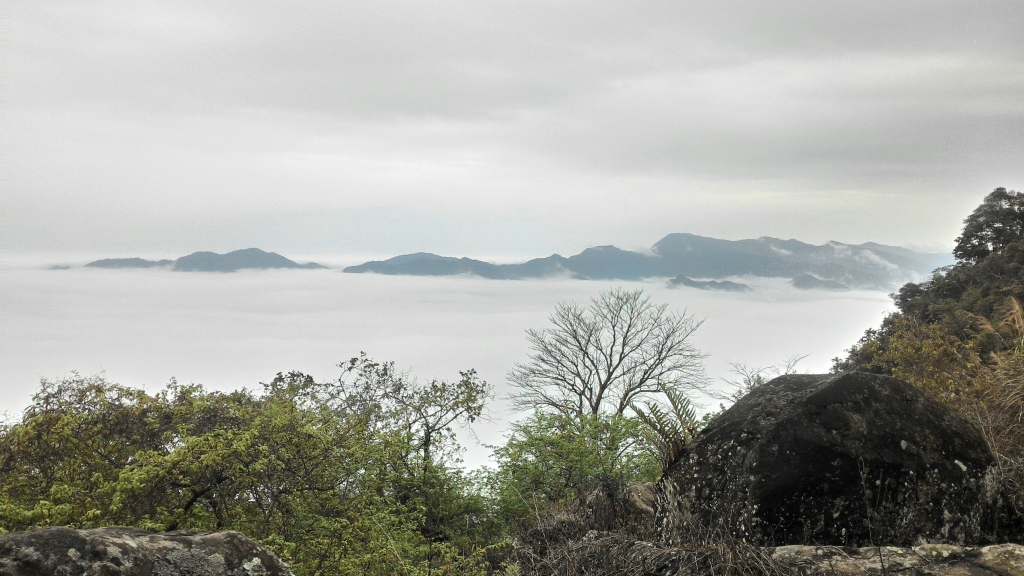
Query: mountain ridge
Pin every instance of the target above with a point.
(833, 265)
(245, 259)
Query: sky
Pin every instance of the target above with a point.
(501, 129)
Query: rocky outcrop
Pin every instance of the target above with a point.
(604, 554)
(122, 551)
(925, 560)
(847, 460)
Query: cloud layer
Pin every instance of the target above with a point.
(232, 330)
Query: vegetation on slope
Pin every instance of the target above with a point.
(360, 475)
(960, 334)
(353, 476)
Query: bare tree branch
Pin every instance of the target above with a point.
(605, 357)
(750, 377)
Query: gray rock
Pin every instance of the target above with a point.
(926, 560)
(120, 551)
(850, 460)
(606, 554)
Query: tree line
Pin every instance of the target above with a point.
(361, 474)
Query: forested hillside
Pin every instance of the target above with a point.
(960, 334)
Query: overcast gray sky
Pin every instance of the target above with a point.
(501, 128)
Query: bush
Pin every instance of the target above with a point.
(356, 476)
(551, 459)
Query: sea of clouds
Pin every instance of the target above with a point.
(225, 331)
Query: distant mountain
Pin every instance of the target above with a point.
(128, 263)
(808, 282)
(724, 285)
(250, 258)
(693, 257)
(238, 260)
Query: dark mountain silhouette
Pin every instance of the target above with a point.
(865, 265)
(238, 260)
(808, 282)
(128, 263)
(250, 258)
(425, 264)
(689, 256)
(723, 285)
(603, 262)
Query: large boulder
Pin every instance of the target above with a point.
(122, 551)
(851, 460)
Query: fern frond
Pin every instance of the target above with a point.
(685, 416)
(670, 430)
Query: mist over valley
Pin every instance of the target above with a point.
(226, 331)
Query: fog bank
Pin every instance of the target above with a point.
(226, 331)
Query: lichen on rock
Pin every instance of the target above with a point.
(849, 460)
(120, 551)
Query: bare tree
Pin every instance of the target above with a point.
(751, 377)
(602, 358)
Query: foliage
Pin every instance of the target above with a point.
(966, 299)
(422, 416)
(669, 429)
(618, 350)
(923, 354)
(1000, 415)
(960, 335)
(551, 459)
(971, 310)
(362, 474)
(993, 225)
(586, 438)
(353, 476)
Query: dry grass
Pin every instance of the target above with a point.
(564, 542)
(999, 412)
